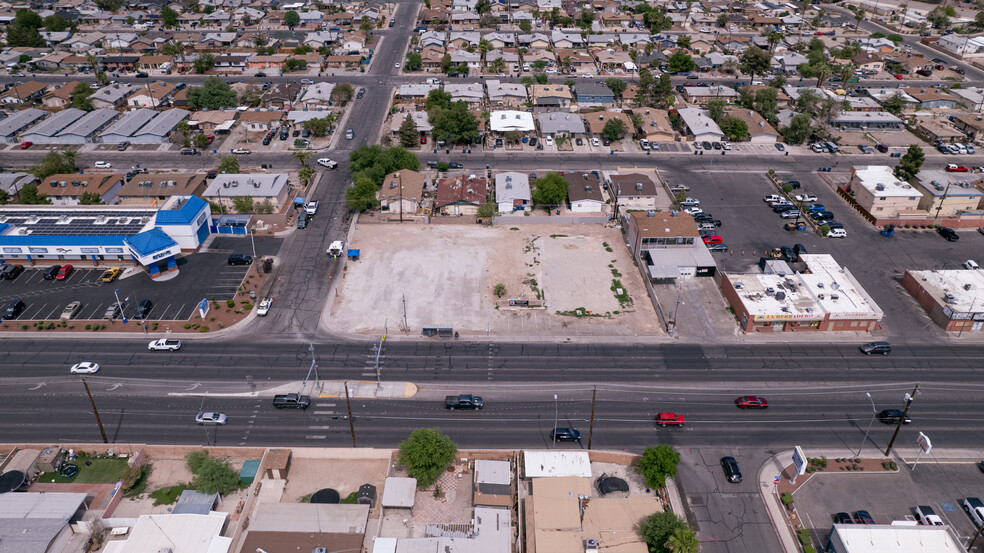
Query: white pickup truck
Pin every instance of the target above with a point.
(336, 249)
(311, 208)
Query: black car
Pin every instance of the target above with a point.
(360, 94)
(780, 147)
(703, 218)
(780, 208)
(892, 416)
(296, 133)
(565, 435)
(794, 183)
(800, 249)
(50, 272)
(143, 309)
(240, 259)
(788, 254)
(532, 141)
(731, 471)
(717, 145)
(883, 348)
(261, 74)
(455, 165)
(948, 233)
(843, 518)
(141, 75)
(14, 308)
(881, 148)
(10, 272)
(706, 144)
(863, 517)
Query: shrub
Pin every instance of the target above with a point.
(809, 549)
(131, 476)
(247, 306)
(804, 536)
(230, 303)
(787, 498)
(203, 329)
(221, 325)
(187, 326)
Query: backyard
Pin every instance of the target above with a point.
(91, 470)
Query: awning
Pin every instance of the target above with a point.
(663, 271)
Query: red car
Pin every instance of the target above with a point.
(64, 272)
(210, 138)
(898, 76)
(954, 168)
(26, 144)
(423, 139)
(708, 240)
(669, 419)
(751, 402)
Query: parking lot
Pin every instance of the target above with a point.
(750, 228)
(203, 275)
(892, 497)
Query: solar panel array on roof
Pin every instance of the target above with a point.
(92, 223)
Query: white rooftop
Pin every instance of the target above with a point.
(879, 538)
(882, 183)
(962, 287)
(836, 289)
(257, 185)
(538, 464)
(509, 120)
(178, 533)
(399, 492)
(492, 472)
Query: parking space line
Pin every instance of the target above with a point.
(161, 317)
(53, 314)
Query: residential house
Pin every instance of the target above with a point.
(60, 97)
(52, 61)
(862, 103)
(500, 40)
(971, 96)
(512, 192)
(68, 189)
(613, 61)
(593, 94)
(562, 39)
(878, 46)
(932, 98)
(24, 92)
(461, 195)
(316, 95)
(701, 94)
(156, 188)
(759, 130)
(865, 121)
(260, 121)
(431, 38)
(598, 119)
(352, 44)
(12, 125)
(550, 97)
(510, 59)
(656, 125)
(946, 194)
(633, 190)
(558, 123)
(420, 119)
(463, 57)
(971, 123)
(319, 39)
(963, 46)
(153, 95)
(416, 93)
(232, 61)
(699, 126)
(464, 39)
(937, 132)
(470, 93)
(867, 61)
(533, 41)
(260, 187)
(504, 121)
(432, 59)
(112, 96)
(881, 193)
(584, 192)
(280, 95)
(402, 192)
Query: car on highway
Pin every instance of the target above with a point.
(863, 517)
(10, 271)
(164, 345)
(241, 151)
(85, 367)
(328, 163)
(103, 165)
(26, 144)
(210, 418)
(64, 272)
(954, 168)
(670, 419)
(948, 233)
(264, 307)
(455, 165)
(751, 402)
(805, 198)
(565, 435)
(883, 348)
(70, 310)
(892, 416)
(731, 470)
(110, 274)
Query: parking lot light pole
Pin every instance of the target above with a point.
(874, 412)
(116, 293)
(252, 243)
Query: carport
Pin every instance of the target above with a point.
(231, 224)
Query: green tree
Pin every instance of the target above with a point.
(498, 66)
(319, 126)
(228, 165)
(807, 101)
(938, 18)
(437, 98)
(172, 48)
(80, 97)
(365, 24)
(305, 174)
(54, 163)
(897, 38)
(978, 23)
(23, 30)
(527, 81)
(755, 61)
(683, 540)
(617, 86)
(715, 109)
(213, 94)
(295, 64)
(362, 194)
(427, 453)
(375, 162)
(483, 6)
(767, 104)
(774, 38)
(541, 78)
(894, 104)
(302, 50)
(342, 94)
(56, 24)
(910, 163)
(292, 19)
(821, 72)
(302, 157)
(453, 125)
(736, 129)
(109, 5)
(414, 62)
(4, 197)
(91, 198)
(657, 464)
(170, 17)
(722, 20)
(212, 475)
(29, 194)
(201, 141)
(680, 61)
(204, 63)
(683, 41)
(242, 204)
(550, 190)
(526, 26)
(614, 129)
(409, 137)
(657, 528)
(858, 16)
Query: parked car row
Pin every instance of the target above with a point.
(824, 147)
(956, 148)
(707, 225)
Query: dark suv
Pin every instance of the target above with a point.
(10, 272)
(240, 259)
(143, 309)
(565, 435)
(731, 471)
(14, 308)
(51, 272)
(892, 416)
(883, 348)
(948, 233)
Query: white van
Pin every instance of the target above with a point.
(837, 233)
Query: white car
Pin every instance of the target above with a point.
(837, 233)
(241, 151)
(971, 264)
(311, 208)
(264, 307)
(85, 367)
(94, 86)
(726, 145)
(325, 162)
(103, 165)
(164, 345)
(595, 142)
(210, 418)
(548, 141)
(397, 65)
(805, 198)
(307, 81)
(693, 210)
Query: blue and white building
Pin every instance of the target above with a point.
(143, 236)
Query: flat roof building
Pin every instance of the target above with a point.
(952, 298)
(881, 193)
(824, 297)
(949, 194)
(880, 538)
(185, 533)
(152, 189)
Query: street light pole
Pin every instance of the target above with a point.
(116, 293)
(874, 412)
(555, 420)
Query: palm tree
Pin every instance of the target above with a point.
(858, 16)
(71, 156)
(302, 157)
(774, 38)
(905, 10)
(305, 174)
(683, 540)
(822, 72)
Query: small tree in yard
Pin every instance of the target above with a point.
(500, 290)
(211, 475)
(550, 190)
(409, 137)
(427, 454)
(657, 463)
(243, 204)
(614, 129)
(658, 528)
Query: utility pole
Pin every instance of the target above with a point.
(406, 330)
(898, 427)
(95, 412)
(594, 394)
(555, 421)
(348, 403)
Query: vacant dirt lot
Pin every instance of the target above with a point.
(448, 273)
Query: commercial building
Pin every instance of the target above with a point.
(143, 236)
(260, 187)
(949, 194)
(870, 538)
(954, 299)
(669, 245)
(822, 296)
(881, 194)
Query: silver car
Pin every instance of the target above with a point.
(211, 418)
